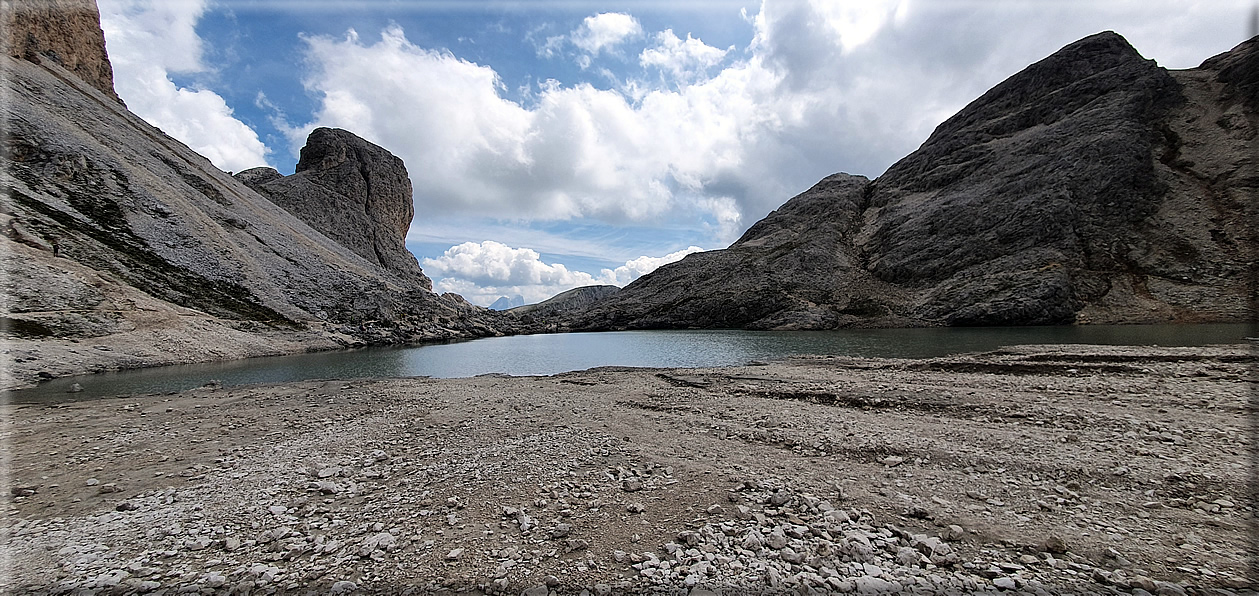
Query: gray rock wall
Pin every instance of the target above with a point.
(67, 32)
(1092, 187)
(354, 192)
(115, 231)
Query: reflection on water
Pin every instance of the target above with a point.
(550, 354)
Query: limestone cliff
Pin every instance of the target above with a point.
(1093, 186)
(354, 192)
(67, 32)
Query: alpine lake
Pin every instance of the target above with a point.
(563, 352)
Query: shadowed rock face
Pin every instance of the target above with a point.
(1093, 186)
(352, 191)
(67, 32)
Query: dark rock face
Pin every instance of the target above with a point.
(258, 176)
(795, 269)
(67, 32)
(1094, 186)
(352, 191)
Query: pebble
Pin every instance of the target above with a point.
(1005, 583)
(343, 587)
(769, 539)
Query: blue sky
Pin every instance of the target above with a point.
(559, 143)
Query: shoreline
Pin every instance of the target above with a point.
(27, 363)
(1041, 469)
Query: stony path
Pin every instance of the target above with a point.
(1056, 470)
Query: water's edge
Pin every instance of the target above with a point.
(547, 354)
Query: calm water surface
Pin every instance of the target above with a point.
(550, 354)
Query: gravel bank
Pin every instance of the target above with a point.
(1040, 470)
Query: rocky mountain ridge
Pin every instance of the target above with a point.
(123, 248)
(563, 304)
(1092, 187)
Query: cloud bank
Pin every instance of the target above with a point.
(148, 40)
(484, 271)
(699, 133)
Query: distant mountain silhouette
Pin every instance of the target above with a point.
(504, 303)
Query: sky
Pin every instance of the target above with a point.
(558, 143)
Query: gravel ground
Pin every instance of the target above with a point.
(1041, 470)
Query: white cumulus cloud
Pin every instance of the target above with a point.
(684, 60)
(720, 140)
(636, 268)
(484, 271)
(605, 31)
(148, 40)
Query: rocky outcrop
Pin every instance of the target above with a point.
(67, 32)
(1094, 186)
(354, 192)
(564, 303)
(118, 234)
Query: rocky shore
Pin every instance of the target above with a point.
(1037, 470)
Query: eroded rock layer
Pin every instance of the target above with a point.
(67, 32)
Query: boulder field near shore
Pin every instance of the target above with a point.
(1037, 470)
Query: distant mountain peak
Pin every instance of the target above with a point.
(504, 303)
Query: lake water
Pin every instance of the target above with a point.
(550, 354)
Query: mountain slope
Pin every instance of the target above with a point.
(1093, 186)
(125, 248)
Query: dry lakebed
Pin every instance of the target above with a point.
(1035, 469)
